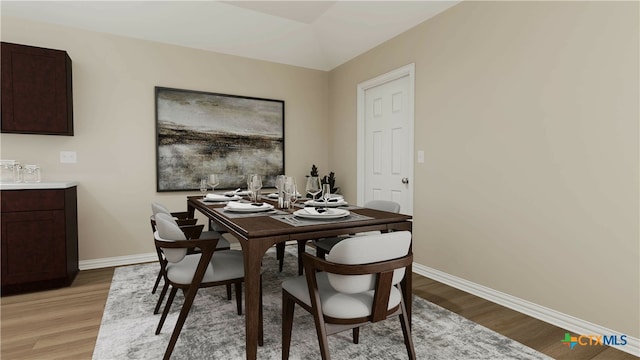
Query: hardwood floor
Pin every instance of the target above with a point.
(64, 323)
(534, 333)
(55, 324)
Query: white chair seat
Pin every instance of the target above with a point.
(336, 304)
(224, 265)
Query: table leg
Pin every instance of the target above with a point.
(407, 291)
(253, 252)
(302, 245)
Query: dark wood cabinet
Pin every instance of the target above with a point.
(39, 239)
(37, 96)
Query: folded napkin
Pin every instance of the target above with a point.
(218, 197)
(330, 202)
(275, 195)
(238, 193)
(236, 205)
(316, 211)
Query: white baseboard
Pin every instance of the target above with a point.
(129, 259)
(564, 321)
(132, 259)
(117, 261)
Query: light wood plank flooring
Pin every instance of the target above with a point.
(64, 323)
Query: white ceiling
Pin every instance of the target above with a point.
(312, 34)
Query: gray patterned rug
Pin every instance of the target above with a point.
(213, 329)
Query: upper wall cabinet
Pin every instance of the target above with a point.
(37, 97)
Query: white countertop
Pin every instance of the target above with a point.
(38, 185)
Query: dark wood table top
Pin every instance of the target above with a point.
(265, 225)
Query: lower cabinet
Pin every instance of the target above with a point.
(39, 239)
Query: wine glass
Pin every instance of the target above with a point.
(326, 193)
(213, 180)
(203, 187)
(313, 186)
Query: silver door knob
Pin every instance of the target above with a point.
(405, 180)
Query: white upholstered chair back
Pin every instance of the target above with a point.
(365, 250)
(157, 208)
(168, 230)
(383, 205)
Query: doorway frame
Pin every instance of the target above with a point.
(407, 70)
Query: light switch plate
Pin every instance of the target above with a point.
(420, 156)
(68, 157)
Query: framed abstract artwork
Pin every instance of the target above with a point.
(200, 133)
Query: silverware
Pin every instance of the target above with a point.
(291, 220)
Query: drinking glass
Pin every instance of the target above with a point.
(313, 186)
(290, 192)
(280, 179)
(254, 186)
(213, 180)
(326, 193)
(248, 178)
(203, 187)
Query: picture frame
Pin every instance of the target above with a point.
(199, 133)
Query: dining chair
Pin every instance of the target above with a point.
(358, 283)
(192, 231)
(324, 245)
(190, 272)
(182, 219)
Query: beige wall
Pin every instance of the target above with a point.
(528, 116)
(113, 86)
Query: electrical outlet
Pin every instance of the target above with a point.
(68, 157)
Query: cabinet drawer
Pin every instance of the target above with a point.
(31, 200)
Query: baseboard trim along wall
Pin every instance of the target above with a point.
(551, 316)
(117, 261)
(571, 323)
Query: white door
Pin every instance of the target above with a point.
(386, 133)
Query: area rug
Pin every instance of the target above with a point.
(213, 329)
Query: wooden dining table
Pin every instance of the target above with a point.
(258, 233)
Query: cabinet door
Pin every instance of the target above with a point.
(36, 90)
(33, 246)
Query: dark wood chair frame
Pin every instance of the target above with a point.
(207, 248)
(191, 231)
(326, 325)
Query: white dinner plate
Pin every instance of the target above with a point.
(248, 207)
(320, 203)
(328, 214)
